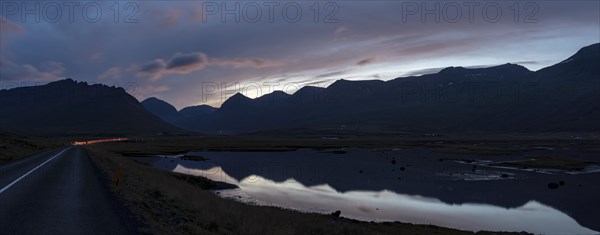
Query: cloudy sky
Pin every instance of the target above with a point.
(193, 52)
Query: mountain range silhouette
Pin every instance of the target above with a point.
(560, 98)
(505, 98)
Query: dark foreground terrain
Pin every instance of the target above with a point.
(173, 203)
(75, 198)
(178, 204)
(59, 192)
(13, 146)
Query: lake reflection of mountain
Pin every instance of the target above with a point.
(405, 185)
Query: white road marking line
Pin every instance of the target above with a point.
(31, 171)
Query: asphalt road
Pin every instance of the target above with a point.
(59, 192)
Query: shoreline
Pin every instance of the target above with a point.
(101, 157)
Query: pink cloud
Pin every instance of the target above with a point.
(245, 63)
(112, 73)
(143, 92)
(171, 17)
(186, 63)
(49, 70)
(366, 61)
(8, 28)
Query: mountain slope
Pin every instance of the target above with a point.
(567, 93)
(161, 109)
(70, 107)
(196, 111)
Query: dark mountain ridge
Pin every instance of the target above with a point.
(194, 111)
(70, 107)
(507, 97)
(504, 98)
(161, 109)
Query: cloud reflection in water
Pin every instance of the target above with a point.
(390, 206)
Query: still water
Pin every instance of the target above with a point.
(413, 185)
